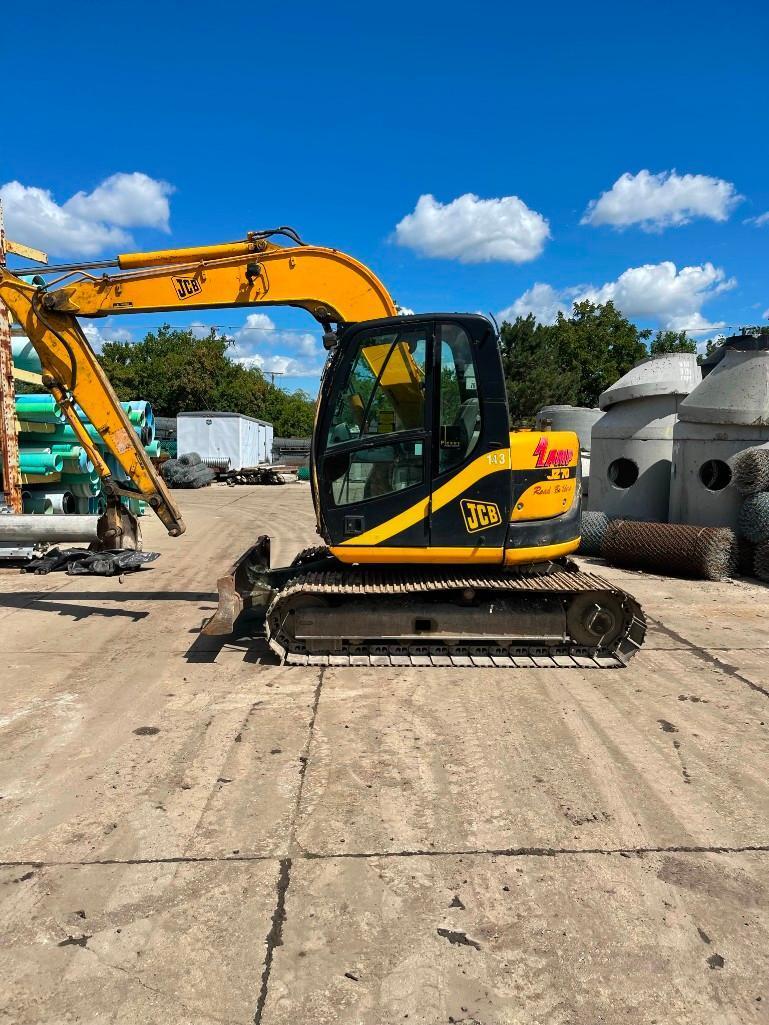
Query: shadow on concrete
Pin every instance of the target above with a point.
(248, 637)
(42, 603)
(124, 595)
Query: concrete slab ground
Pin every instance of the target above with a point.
(192, 833)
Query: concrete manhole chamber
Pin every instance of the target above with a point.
(632, 443)
(726, 413)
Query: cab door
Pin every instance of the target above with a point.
(471, 478)
(373, 453)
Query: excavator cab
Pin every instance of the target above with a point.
(409, 405)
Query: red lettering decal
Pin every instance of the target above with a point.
(540, 451)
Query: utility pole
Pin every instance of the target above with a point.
(9, 442)
(273, 374)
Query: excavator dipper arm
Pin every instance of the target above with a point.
(73, 375)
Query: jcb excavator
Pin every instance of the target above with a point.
(447, 535)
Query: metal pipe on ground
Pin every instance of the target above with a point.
(48, 528)
(671, 549)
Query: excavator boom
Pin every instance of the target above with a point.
(333, 287)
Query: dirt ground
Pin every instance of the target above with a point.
(190, 833)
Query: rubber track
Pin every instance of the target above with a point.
(389, 582)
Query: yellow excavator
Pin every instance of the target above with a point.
(446, 536)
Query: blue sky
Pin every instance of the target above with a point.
(336, 119)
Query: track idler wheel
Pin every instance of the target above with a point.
(596, 619)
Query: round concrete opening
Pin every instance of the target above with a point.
(715, 474)
(622, 473)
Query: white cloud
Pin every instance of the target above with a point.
(97, 334)
(286, 366)
(300, 353)
(474, 230)
(199, 330)
(129, 200)
(656, 201)
(404, 311)
(658, 292)
(32, 217)
(542, 300)
(759, 221)
(88, 223)
(765, 314)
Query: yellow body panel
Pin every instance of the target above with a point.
(434, 556)
(544, 500)
(554, 457)
(478, 556)
(520, 556)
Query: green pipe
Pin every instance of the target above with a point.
(24, 355)
(40, 462)
(81, 478)
(64, 434)
(39, 409)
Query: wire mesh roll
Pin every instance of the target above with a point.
(671, 549)
(593, 530)
(761, 561)
(750, 471)
(754, 518)
(189, 459)
(178, 475)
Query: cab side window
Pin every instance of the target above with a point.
(460, 411)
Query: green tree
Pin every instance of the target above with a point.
(176, 372)
(671, 341)
(571, 361)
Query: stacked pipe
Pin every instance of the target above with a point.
(57, 475)
(750, 472)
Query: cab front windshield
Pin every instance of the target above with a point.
(385, 389)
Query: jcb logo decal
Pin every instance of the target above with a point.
(478, 515)
(185, 287)
(555, 457)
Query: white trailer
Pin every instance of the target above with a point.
(225, 440)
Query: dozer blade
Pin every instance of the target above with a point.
(252, 583)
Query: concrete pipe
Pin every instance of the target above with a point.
(48, 528)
